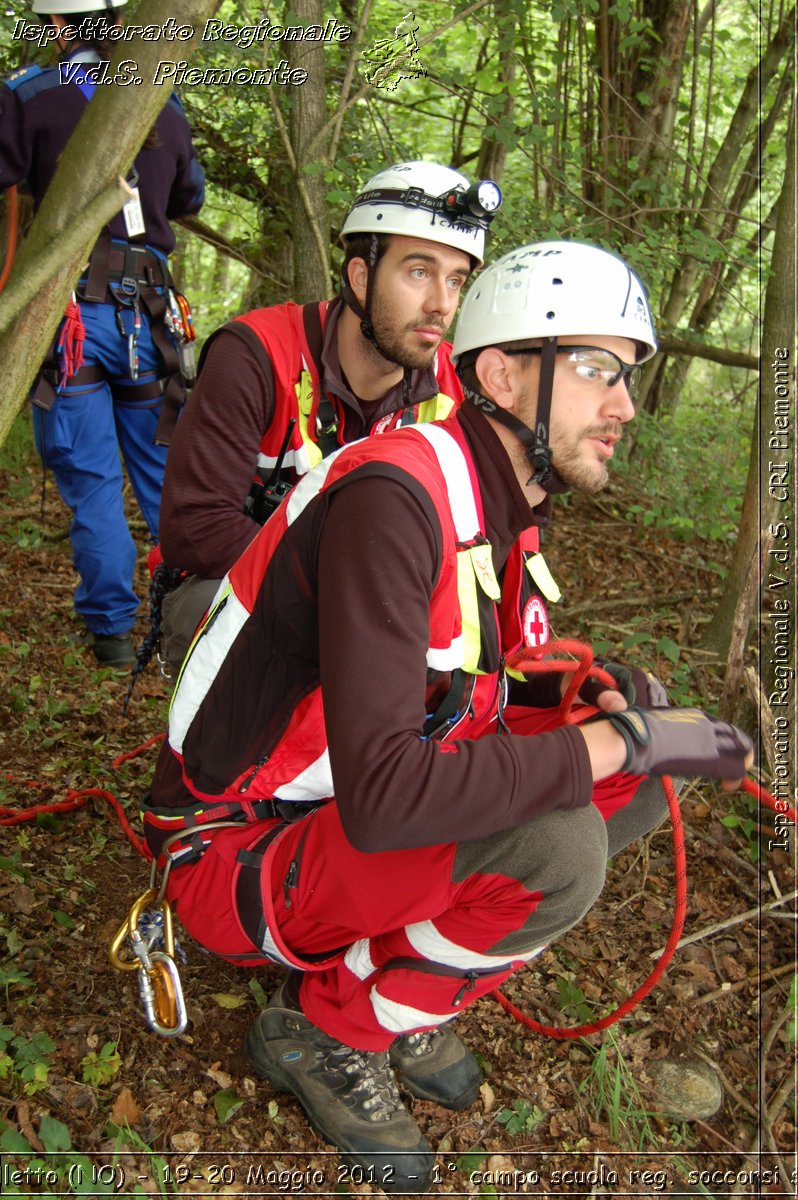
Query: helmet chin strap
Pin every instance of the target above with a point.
(363, 311)
(535, 441)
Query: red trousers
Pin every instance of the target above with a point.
(401, 940)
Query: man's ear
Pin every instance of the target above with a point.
(494, 371)
(357, 276)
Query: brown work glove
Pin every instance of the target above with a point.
(681, 741)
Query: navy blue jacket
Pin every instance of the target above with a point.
(38, 113)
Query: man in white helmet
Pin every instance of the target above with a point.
(410, 824)
(128, 390)
(282, 387)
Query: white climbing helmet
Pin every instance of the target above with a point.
(426, 200)
(555, 289)
(62, 8)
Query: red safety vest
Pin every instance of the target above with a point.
(292, 336)
(472, 623)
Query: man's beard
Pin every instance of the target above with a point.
(575, 463)
(391, 335)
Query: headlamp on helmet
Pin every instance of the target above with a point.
(482, 199)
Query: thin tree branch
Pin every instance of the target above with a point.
(732, 921)
(321, 244)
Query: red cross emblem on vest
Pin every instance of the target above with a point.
(535, 622)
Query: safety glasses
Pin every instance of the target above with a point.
(596, 366)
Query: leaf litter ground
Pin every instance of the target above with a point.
(188, 1115)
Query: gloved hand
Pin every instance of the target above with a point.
(681, 741)
(636, 687)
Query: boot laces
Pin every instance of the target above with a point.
(372, 1088)
(419, 1044)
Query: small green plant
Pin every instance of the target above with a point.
(745, 819)
(13, 977)
(616, 1097)
(26, 1061)
(521, 1117)
(99, 1069)
(61, 1164)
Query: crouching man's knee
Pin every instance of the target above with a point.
(560, 858)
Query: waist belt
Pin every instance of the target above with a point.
(121, 273)
(114, 263)
(160, 824)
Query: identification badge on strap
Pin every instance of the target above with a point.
(134, 217)
(482, 562)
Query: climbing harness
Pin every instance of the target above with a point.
(145, 940)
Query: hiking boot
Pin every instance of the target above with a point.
(350, 1096)
(437, 1066)
(112, 649)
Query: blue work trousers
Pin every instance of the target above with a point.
(80, 440)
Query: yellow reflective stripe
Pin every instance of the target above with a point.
(539, 570)
(469, 612)
(304, 399)
(435, 409)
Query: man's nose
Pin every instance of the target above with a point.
(440, 297)
(617, 403)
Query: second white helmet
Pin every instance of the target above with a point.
(555, 289)
(426, 200)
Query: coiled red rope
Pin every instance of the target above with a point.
(529, 661)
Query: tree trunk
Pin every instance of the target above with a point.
(711, 209)
(310, 221)
(493, 149)
(768, 502)
(110, 132)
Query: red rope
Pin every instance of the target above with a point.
(779, 806)
(79, 798)
(680, 910)
(528, 661)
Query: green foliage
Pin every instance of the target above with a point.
(25, 1061)
(227, 1103)
(690, 493)
(100, 1069)
(521, 1117)
(611, 1086)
